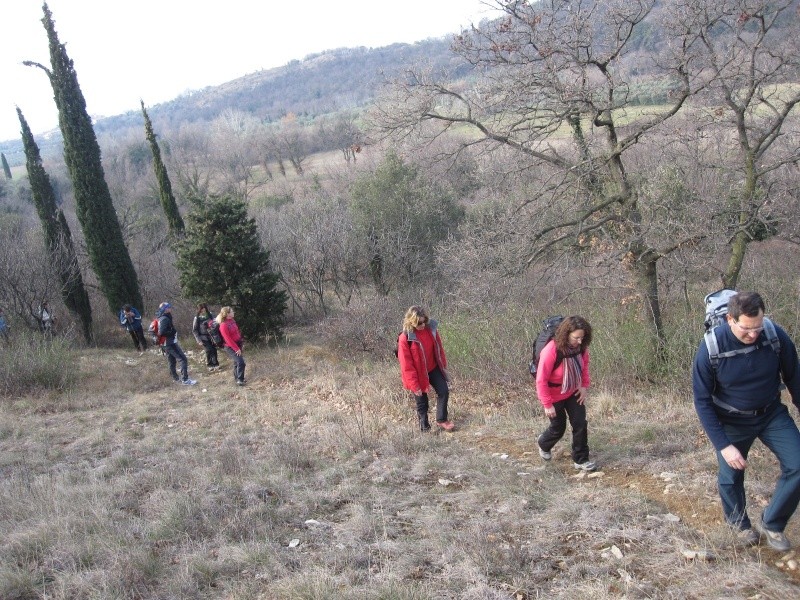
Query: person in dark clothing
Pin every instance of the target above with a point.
(200, 332)
(4, 326)
(131, 320)
(738, 400)
(172, 349)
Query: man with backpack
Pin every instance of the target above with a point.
(169, 336)
(131, 320)
(736, 380)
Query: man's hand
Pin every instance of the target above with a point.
(550, 412)
(733, 457)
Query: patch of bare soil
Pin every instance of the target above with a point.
(680, 494)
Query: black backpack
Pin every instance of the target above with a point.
(212, 328)
(549, 326)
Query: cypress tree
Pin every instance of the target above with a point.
(56, 233)
(164, 186)
(6, 168)
(221, 261)
(101, 229)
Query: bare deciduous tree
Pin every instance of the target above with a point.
(315, 248)
(749, 52)
(555, 86)
(342, 132)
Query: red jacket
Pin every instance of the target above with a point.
(229, 331)
(413, 366)
(546, 374)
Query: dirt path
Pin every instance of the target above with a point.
(671, 491)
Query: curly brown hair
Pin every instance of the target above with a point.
(568, 325)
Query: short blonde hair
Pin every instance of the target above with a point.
(415, 316)
(223, 314)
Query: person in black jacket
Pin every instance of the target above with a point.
(200, 332)
(173, 350)
(738, 399)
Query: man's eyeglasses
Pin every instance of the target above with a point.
(749, 329)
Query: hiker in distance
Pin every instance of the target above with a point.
(423, 365)
(738, 400)
(47, 319)
(131, 320)
(233, 342)
(170, 345)
(4, 326)
(562, 379)
(200, 332)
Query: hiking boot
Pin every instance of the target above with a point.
(587, 466)
(747, 537)
(776, 539)
(446, 425)
(188, 382)
(543, 453)
(424, 424)
(241, 382)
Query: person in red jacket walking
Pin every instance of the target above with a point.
(562, 380)
(423, 365)
(229, 331)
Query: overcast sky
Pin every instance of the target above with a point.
(155, 50)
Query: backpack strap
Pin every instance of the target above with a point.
(710, 338)
(714, 354)
(772, 336)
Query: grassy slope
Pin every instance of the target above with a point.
(131, 487)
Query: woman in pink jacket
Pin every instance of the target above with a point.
(562, 380)
(424, 365)
(229, 331)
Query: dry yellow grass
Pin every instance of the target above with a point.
(311, 483)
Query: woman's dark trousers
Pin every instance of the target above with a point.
(439, 383)
(211, 353)
(238, 364)
(576, 413)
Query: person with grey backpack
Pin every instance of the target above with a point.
(736, 379)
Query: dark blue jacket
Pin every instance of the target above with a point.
(746, 382)
(130, 324)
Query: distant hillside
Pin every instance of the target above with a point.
(334, 80)
(318, 84)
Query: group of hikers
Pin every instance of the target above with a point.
(738, 372)
(209, 332)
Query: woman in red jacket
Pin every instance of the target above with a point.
(229, 331)
(562, 380)
(424, 365)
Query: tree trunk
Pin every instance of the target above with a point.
(747, 212)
